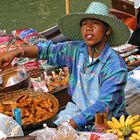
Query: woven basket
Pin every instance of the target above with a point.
(12, 96)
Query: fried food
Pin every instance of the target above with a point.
(1, 108)
(8, 102)
(28, 120)
(21, 98)
(25, 112)
(33, 109)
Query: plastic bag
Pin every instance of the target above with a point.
(133, 83)
(45, 134)
(96, 136)
(2, 135)
(108, 137)
(9, 127)
(30, 36)
(66, 132)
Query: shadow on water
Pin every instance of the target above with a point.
(38, 14)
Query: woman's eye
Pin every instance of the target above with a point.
(94, 22)
(84, 23)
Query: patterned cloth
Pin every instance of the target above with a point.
(94, 87)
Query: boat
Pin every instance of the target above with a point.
(54, 34)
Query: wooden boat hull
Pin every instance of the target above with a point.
(54, 34)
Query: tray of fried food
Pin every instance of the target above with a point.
(36, 107)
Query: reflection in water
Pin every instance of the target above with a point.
(43, 11)
(38, 14)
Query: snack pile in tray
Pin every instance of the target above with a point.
(56, 78)
(34, 108)
(52, 80)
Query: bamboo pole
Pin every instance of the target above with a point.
(67, 7)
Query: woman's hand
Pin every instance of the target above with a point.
(6, 58)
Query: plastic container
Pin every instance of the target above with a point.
(100, 124)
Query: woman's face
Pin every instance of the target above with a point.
(93, 31)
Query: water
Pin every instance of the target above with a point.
(37, 14)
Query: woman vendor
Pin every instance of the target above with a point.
(97, 74)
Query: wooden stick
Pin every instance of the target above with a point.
(67, 7)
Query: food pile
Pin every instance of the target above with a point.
(125, 127)
(33, 109)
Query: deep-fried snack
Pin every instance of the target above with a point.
(28, 120)
(21, 98)
(8, 102)
(1, 108)
(38, 101)
(38, 108)
(39, 97)
(47, 106)
(25, 102)
(25, 112)
(8, 113)
(9, 107)
(34, 109)
(50, 102)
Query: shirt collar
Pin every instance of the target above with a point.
(104, 54)
(83, 46)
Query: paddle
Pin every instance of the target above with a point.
(67, 7)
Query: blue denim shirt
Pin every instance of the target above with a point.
(94, 87)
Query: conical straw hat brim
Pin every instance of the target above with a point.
(69, 26)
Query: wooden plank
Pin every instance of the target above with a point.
(133, 104)
(124, 6)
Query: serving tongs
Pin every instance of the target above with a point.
(12, 41)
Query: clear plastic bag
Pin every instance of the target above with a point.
(108, 137)
(66, 132)
(2, 135)
(46, 134)
(9, 127)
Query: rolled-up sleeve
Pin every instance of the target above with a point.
(42, 49)
(55, 54)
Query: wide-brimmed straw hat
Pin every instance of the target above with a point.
(69, 25)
